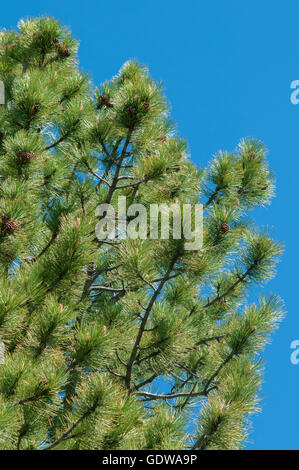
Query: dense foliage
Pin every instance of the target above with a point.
(121, 344)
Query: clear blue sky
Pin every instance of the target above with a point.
(227, 68)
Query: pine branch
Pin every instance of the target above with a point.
(108, 289)
(146, 381)
(212, 338)
(45, 249)
(203, 441)
(132, 185)
(71, 429)
(144, 321)
(63, 137)
(22, 433)
(212, 197)
(109, 155)
(39, 395)
(169, 396)
(103, 180)
(231, 288)
(212, 378)
(118, 166)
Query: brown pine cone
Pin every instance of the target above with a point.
(130, 110)
(63, 51)
(146, 105)
(174, 168)
(224, 228)
(25, 157)
(9, 225)
(104, 100)
(43, 382)
(252, 155)
(36, 108)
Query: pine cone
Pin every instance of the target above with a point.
(146, 105)
(130, 110)
(55, 40)
(25, 157)
(104, 100)
(43, 382)
(224, 228)
(36, 108)
(252, 155)
(9, 225)
(166, 191)
(174, 168)
(63, 51)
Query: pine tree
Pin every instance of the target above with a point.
(121, 344)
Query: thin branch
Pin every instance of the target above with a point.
(115, 374)
(63, 137)
(110, 156)
(199, 442)
(131, 185)
(125, 177)
(169, 396)
(202, 442)
(33, 398)
(103, 180)
(45, 249)
(118, 167)
(108, 289)
(144, 321)
(22, 433)
(212, 338)
(145, 382)
(66, 433)
(153, 345)
(229, 357)
(93, 274)
(147, 282)
(190, 395)
(173, 276)
(231, 288)
(120, 359)
(212, 197)
(145, 358)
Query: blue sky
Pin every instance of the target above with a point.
(227, 69)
